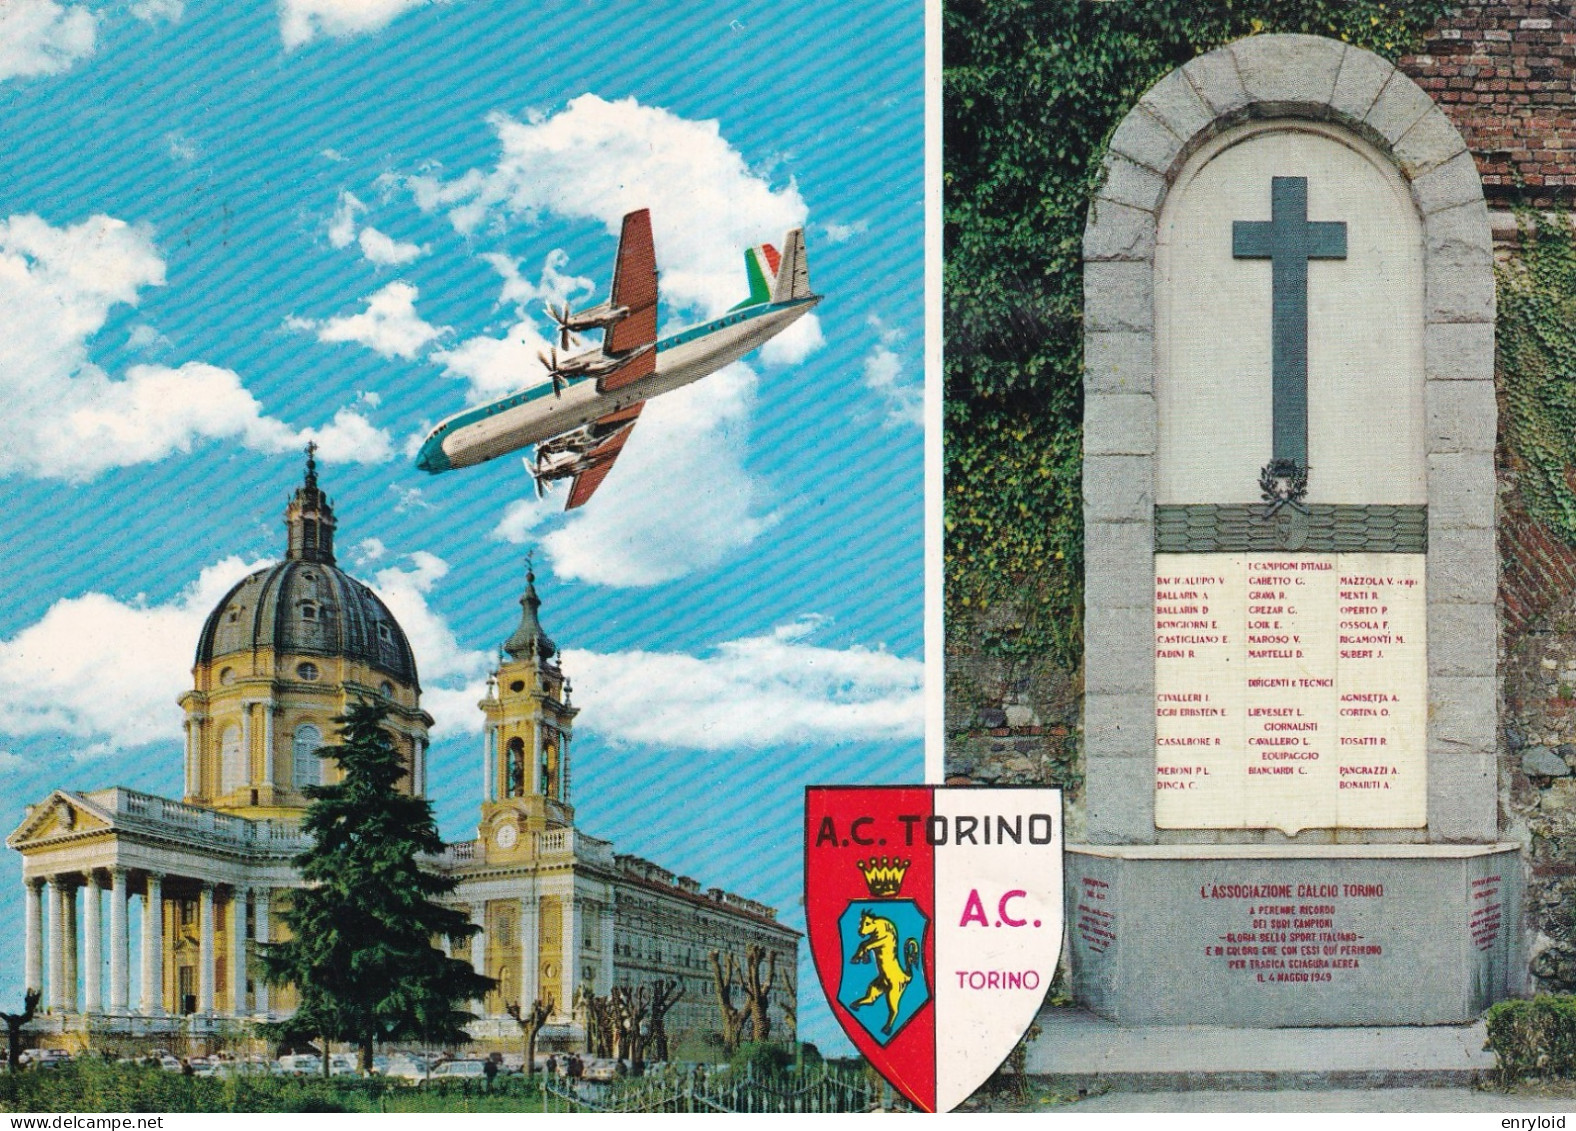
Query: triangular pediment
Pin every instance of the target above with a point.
(62, 813)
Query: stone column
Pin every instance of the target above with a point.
(57, 951)
(33, 907)
(205, 950)
(119, 942)
(92, 947)
(569, 955)
(153, 946)
(605, 942)
(530, 951)
(268, 741)
(238, 953)
(260, 928)
(68, 923)
(489, 756)
(479, 949)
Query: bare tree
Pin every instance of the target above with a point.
(630, 1010)
(665, 994)
(733, 1017)
(13, 1026)
(758, 990)
(531, 1025)
(599, 1023)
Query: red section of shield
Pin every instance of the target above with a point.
(844, 826)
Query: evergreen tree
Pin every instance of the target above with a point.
(363, 951)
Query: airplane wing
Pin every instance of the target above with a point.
(635, 289)
(599, 460)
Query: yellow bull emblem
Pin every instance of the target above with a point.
(879, 943)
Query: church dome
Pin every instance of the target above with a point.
(306, 604)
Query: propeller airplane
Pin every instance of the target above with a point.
(582, 415)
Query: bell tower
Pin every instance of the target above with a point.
(526, 742)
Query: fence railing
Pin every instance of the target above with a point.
(697, 1089)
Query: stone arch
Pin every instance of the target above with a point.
(1307, 78)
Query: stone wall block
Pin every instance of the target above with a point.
(1399, 107)
(1463, 715)
(1459, 286)
(1119, 569)
(1177, 105)
(1215, 79)
(1111, 666)
(1463, 799)
(1431, 141)
(1462, 639)
(1119, 798)
(1363, 75)
(1461, 416)
(1288, 73)
(1119, 726)
(1461, 490)
(1143, 138)
(1119, 296)
(1130, 183)
(1119, 489)
(1119, 424)
(1119, 363)
(1459, 351)
(1463, 565)
(1119, 231)
(1455, 182)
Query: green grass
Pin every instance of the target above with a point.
(94, 1086)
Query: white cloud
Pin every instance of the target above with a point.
(842, 233)
(120, 691)
(678, 500)
(597, 160)
(439, 657)
(386, 251)
(754, 692)
(349, 438)
(388, 326)
(342, 225)
(377, 248)
(301, 21)
(794, 344)
(65, 417)
(553, 285)
(40, 37)
(495, 366)
(181, 148)
(883, 374)
(150, 11)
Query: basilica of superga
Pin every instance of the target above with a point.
(192, 885)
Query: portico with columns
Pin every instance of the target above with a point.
(199, 884)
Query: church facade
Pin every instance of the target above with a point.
(194, 885)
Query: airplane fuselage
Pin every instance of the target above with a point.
(535, 414)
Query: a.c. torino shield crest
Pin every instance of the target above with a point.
(935, 921)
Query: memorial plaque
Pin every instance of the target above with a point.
(1291, 691)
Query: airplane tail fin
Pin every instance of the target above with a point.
(793, 271)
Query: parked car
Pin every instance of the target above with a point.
(600, 1070)
(411, 1069)
(252, 1066)
(300, 1064)
(460, 1070)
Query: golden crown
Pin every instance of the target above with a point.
(883, 875)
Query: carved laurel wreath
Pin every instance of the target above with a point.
(1283, 482)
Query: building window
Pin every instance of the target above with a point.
(306, 768)
(232, 767)
(383, 632)
(227, 676)
(307, 672)
(308, 611)
(386, 689)
(514, 769)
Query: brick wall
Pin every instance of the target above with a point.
(1503, 72)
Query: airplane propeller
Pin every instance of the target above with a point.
(549, 361)
(560, 315)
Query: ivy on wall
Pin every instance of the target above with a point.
(1032, 91)
(1537, 344)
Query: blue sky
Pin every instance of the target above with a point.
(226, 229)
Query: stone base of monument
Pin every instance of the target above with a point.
(1272, 936)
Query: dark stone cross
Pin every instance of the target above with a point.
(1288, 240)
